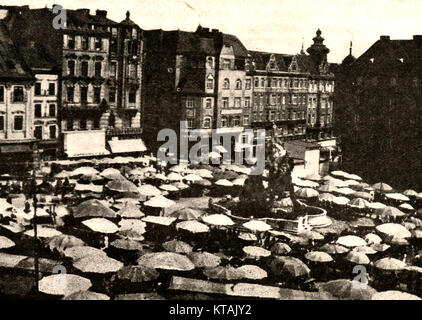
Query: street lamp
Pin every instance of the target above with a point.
(33, 192)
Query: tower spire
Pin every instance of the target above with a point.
(350, 49)
(302, 51)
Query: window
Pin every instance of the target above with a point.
(226, 64)
(52, 132)
(18, 94)
(207, 122)
(37, 111)
(52, 110)
(69, 124)
(82, 124)
(245, 120)
(393, 81)
(210, 62)
(71, 67)
(271, 116)
(37, 89)
(71, 42)
(189, 103)
(237, 102)
(208, 103)
(190, 122)
(132, 96)
(84, 68)
(224, 122)
(111, 120)
(97, 94)
(263, 82)
(256, 83)
(133, 72)
(238, 84)
(247, 102)
(225, 102)
(113, 45)
(134, 48)
(248, 84)
(112, 94)
(85, 43)
(226, 84)
(18, 123)
(113, 69)
(1, 93)
(51, 89)
(1, 123)
(84, 94)
(236, 121)
(38, 132)
(210, 83)
(98, 44)
(70, 94)
(98, 69)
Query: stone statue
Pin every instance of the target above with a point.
(258, 201)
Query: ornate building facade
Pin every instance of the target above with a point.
(99, 63)
(17, 142)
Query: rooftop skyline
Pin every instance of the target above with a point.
(273, 26)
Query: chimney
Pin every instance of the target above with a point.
(83, 11)
(101, 13)
(417, 37)
(385, 38)
(215, 31)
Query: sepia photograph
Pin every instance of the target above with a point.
(221, 150)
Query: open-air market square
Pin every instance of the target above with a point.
(151, 163)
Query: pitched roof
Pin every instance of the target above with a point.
(400, 55)
(11, 64)
(239, 49)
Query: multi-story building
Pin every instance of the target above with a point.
(293, 94)
(17, 143)
(280, 88)
(192, 76)
(379, 98)
(99, 65)
(234, 86)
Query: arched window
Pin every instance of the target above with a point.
(207, 122)
(210, 83)
(238, 84)
(226, 84)
(224, 122)
(210, 62)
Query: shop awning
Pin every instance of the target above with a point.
(77, 154)
(85, 143)
(127, 145)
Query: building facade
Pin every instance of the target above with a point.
(17, 142)
(99, 64)
(379, 120)
(293, 94)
